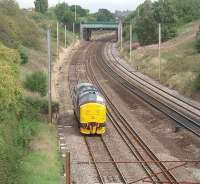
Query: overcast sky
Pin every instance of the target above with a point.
(92, 5)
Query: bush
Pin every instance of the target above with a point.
(198, 41)
(23, 54)
(196, 84)
(24, 133)
(41, 105)
(37, 82)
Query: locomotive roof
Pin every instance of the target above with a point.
(82, 85)
(87, 92)
(91, 96)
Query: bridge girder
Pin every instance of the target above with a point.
(87, 28)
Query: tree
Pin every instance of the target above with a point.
(41, 5)
(104, 15)
(81, 12)
(146, 26)
(165, 13)
(187, 10)
(64, 14)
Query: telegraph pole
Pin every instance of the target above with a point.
(58, 39)
(121, 35)
(159, 50)
(131, 37)
(75, 16)
(73, 32)
(65, 36)
(49, 74)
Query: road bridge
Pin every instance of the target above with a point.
(87, 28)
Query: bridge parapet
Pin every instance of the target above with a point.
(88, 27)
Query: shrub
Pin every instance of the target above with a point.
(196, 84)
(37, 82)
(40, 104)
(198, 41)
(10, 86)
(25, 130)
(23, 54)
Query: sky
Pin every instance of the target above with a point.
(92, 5)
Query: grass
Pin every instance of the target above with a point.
(42, 164)
(179, 61)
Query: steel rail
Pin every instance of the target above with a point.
(162, 167)
(103, 141)
(153, 85)
(93, 158)
(126, 140)
(181, 119)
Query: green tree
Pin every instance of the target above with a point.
(41, 5)
(146, 26)
(165, 13)
(187, 10)
(104, 15)
(81, 12)
(64, 13)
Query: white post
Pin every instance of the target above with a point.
(73, 32)
(131, 29)
(65, 36)
(159, 50)
(49, 74)
(81, 31)
(121, 35)
(75, 14)
(58, 39)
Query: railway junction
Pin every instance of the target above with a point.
(152, 134)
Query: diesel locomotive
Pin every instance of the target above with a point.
(90, 109)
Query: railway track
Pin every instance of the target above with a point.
(115, 173)
(186, 121)
(191, 107)
(97, 146)
(84, 61)
(139, 149)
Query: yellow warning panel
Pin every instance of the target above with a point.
(93, 113)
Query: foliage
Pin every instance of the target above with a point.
(81, 12)
(164, 13)
(10, 106)
(146, 26)
(15, 27)
(44, 154)
(41, 104)
(41, 5)
(187, 10)
(10, 87)
(23, 54)
(198, 41)
(37, 82)
(170, 13)
(64, 13)
(104, 15)
(196, 84)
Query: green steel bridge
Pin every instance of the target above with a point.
(87, 28)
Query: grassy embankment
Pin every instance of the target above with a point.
(180, 60)
(28, 145)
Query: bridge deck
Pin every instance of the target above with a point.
(99, 25)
